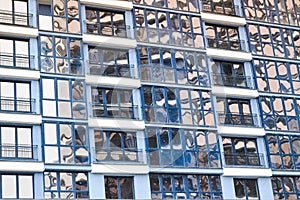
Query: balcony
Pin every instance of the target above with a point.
(17, 105)
(16, 18)
(114, 70)
(218, 8)
(14, 152)
(115, 111)
(245, 160)
(239, 81)
(238, 119)
(228, 44)
(115, 154)
(16, 60)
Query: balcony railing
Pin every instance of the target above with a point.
(239, 119)
(115, 111)
(245, 160)
(16, 18)
(115, 154)
(232, 80)
(123, 31)
(213, 7)
(17, 105)
(116, 70)
(228, 44)
(16, 60)
(11, 151)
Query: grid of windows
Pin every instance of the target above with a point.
(63, 98)
(164, 27)
(190, 186)
(65, 143)
(119, 187)
(273, 11)
(15, 12)
(116, 146)
(61, 55)
(286, 187)
(159, 65)
(16, 186)
(182, 148)
(277, 77)
(274, 41)
(174, 105)
(59, 16)
(187, 5)
(66, 185)
(284, 151)
(280, 113)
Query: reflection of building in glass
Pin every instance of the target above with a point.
(141, 99)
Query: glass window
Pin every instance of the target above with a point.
(188, 186)
(59, 16)
(65, 143)
(109, 62)
(66, 185)
(15, 12)
(174, 105)
(112, 103)
(61, 55)
(14, 53)
(116, 146)
(224, 37)
(284, 151)
(168, 28)
(173, 67)
(246, 189)
(280, 113)
(186, 5)
(286, 187)
(182, 148)
(119, 187)
(226, 7)
(64, 98)
(16, 186)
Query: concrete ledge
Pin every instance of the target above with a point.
(228, 54)
(26, 166)
(223, 19)
(117, 4)
(20, 118)
(22, 31)
(129, 124)
(247, 172)
(113, 81)
(234, 92)
(240, 131)
(110, 41)
(120, 168)
(19, 73)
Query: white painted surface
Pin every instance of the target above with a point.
(113, 81)
(22, 31)
(119, 4)
(247, 172)
(8, 166)
(20, 73)
(110, 41)
(116, 123)
(120, 169)
(241, 131)
(228, 54)
(235, 92)
(20, 118)
(223, 19)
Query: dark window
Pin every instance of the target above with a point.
(116, 146)
(119, 187)
(226, 7)
(177, 186)
(286, 187)
(66, 185)
(246, 188)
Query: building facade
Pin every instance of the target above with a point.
(150, 99)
